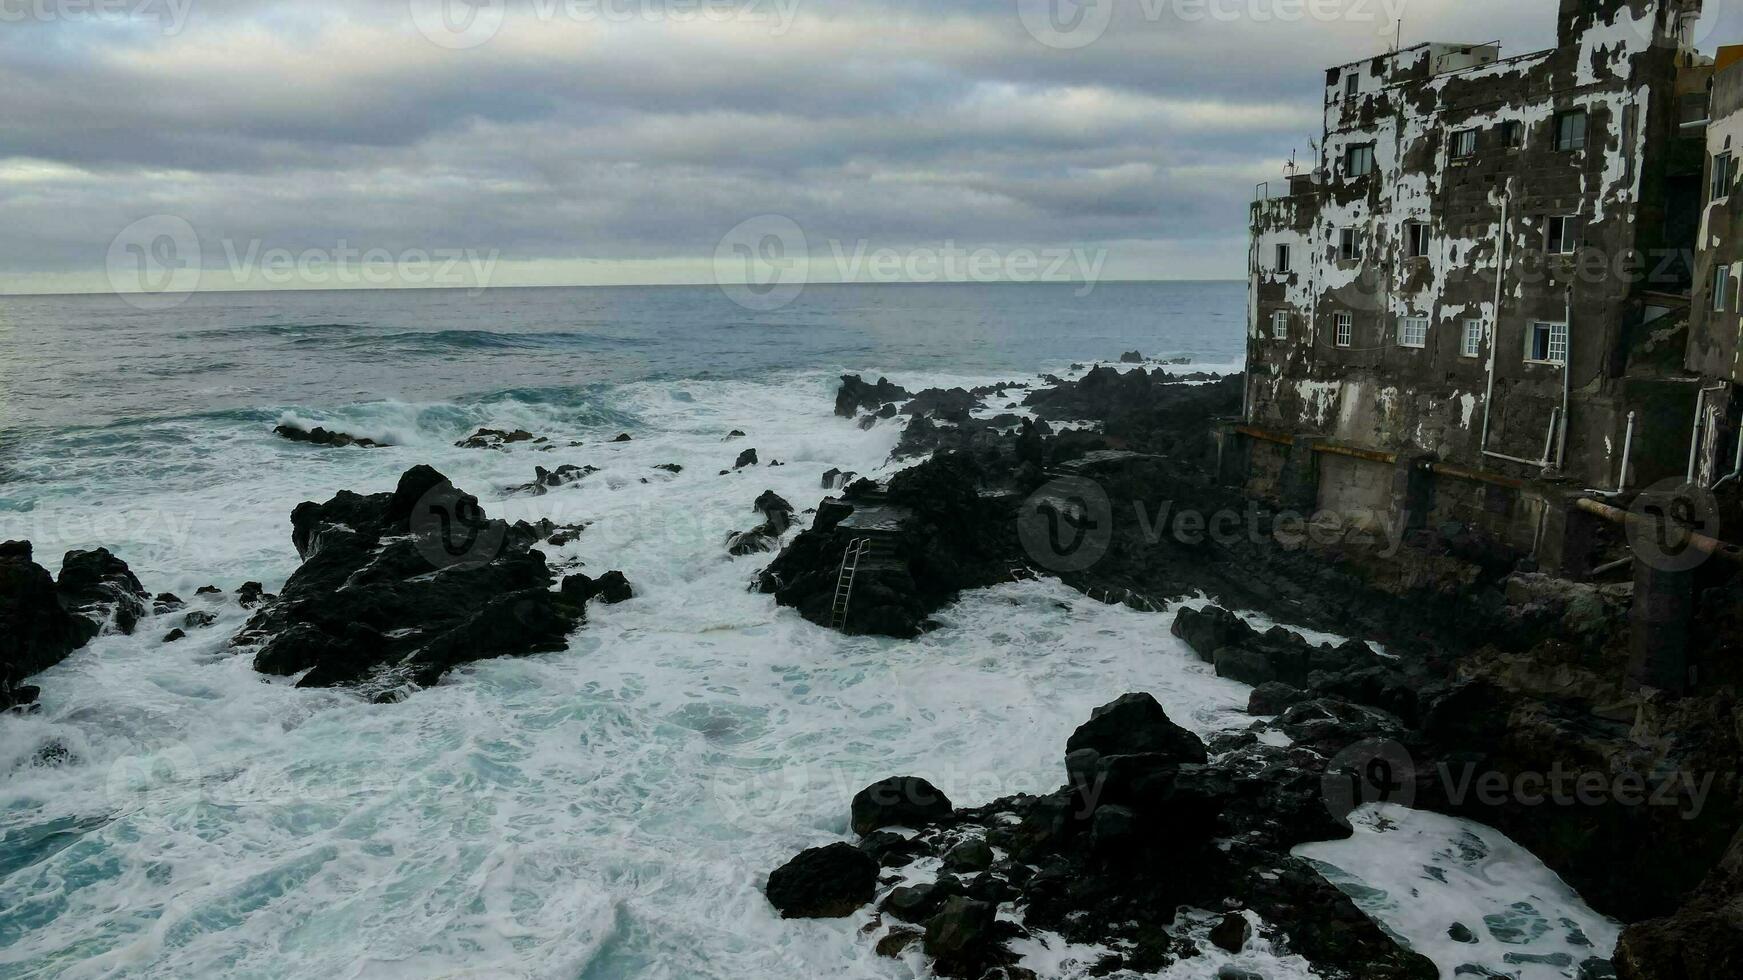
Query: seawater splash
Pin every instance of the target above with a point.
(1464, 895)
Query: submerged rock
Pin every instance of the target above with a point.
(400, 587)
(320, 436)
(499, 439)
(544, 480)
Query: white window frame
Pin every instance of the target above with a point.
(1413, 331)
(1344, 329)
(1280, 325)
(1283, 257)
(1720, 188)
(1415, 239)
(1555, 342)
(1366, 151)
(1472, 344)
(1565, 140)
(1349, 244)
(1721, 287)
(1562, 229)
(1464, 144)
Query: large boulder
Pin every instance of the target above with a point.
(100, 587)
(1135, 724)
(1703, 940)
(963, 938)
(855, 394)
(36, 631)
(1210, 629)
(399, 587)
(823, 883)
(900, 801)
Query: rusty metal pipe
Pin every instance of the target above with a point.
(1258, 433)
(1476, 476)
(1700, 542)
(1371, 455)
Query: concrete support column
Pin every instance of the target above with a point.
(1300, 482)
(1664, 607)
(1233, 455)
(1565, 547)
(1412, 491)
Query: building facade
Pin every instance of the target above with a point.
(1491, 259)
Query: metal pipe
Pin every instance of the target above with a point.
(1609, 567)
(1514, 459)
(1371, 455)
(1477, 476)
(1700, 542)
(1628, 454)
(1736, 466)
(1495, 314)
(1258, 433)
(1695, 434)
(1549, 437)
(1567, 365)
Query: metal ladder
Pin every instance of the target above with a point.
(844, 581)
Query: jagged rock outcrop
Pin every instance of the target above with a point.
(100, 587)
(42, 620)
(855, 394)
(399, 587)
(321, 436)
(777, 519)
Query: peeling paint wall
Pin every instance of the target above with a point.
(1457, 134)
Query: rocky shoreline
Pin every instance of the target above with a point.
(1156, 842)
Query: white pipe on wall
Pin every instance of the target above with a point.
(1495, 314)
(1567, 366)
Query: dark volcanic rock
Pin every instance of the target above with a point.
(544, 481)
(402, 586)
(1210, 629)
(1132, 357)
(963, 938)
(100, 587)
(746, 458)
(777, 519)
(823, 883)
(611, 588)
(36, 632)
(499, 439)
(174, 635)
(319, 436)
(855, 394)
(1136, 725)
(900, 801)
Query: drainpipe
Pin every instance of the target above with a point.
(1736, 466)
(1695, 434)
(1495, 327)
(1628, 454)
(1567, 365)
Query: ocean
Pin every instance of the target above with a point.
(613, 810)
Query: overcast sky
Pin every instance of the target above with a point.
(592, 141)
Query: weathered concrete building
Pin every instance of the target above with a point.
(1489, 264)
(1714, 322)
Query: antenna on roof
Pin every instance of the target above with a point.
(1398, 34)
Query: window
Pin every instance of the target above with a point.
(1415, 240)
(1352, 84)
(1359, 161)
(1282, 258)
(1722, 171)
(1413, 331)
(1546, 342)
(1513, 134)
(1563, 235)
(1721, 287)
(1280, 325)
(1464, 144)
(1473, 343)
(1345, 327)
(1349, 245)
(1570, 130)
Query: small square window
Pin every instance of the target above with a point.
(1280, 325)
(1282, 258)
(1415, 240)
(1349, 245)
(1473, 339)
(1413, 331)
(1513, 134)
(1721, 287)
(1570, 130)
(1345, 327)
(1546, 342)
(1464, 144)
(1563, 234)
(1723, 171)
(1352, 83)
(1359, 161)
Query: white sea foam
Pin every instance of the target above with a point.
(610, 811)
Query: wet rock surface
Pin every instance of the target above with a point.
(399, 587)
(320, 436)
